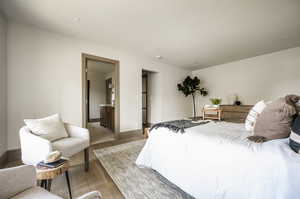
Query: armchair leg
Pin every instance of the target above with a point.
(86, 159)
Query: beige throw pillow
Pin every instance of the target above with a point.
(275, 120)
(50, 128)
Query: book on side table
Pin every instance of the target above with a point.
(52, 164)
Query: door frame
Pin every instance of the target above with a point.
(146, 100)
(88, 100)
(85, 57)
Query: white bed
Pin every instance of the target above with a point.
(215, 161)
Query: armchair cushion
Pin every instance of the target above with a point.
(78, 132)
(15, 180)
(50, 128)
(29, 145)
(36, 193)
(70, 146)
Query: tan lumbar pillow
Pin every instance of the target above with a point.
(275, 120)
(50, 128)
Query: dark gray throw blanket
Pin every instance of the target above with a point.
(177, 125)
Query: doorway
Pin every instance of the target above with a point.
(100, 108)
(147, 97)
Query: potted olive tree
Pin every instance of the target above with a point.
(191, 86)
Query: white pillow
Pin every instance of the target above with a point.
(253, 114)
(50, 128)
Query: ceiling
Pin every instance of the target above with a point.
(186, 33)
(100, 67)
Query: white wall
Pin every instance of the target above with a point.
(97, 92)
(111, 75)
(3, 139)
(153, 97)
(44, 77)
(264, 77)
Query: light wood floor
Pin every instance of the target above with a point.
(96, 179)
(99, 134)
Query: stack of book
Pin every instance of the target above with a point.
(52, 164)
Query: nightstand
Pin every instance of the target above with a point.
(212, 113)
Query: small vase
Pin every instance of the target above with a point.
(237, 103)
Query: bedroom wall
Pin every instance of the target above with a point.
(44, 77)
(153, 96)
(3, 140)
(264, 77)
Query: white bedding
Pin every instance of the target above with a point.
(215, 161)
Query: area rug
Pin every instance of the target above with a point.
(132, 181)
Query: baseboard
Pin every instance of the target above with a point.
(3, 160)
(13, 155)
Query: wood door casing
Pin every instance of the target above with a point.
(116, 63)
(145, 99)
(88, 85)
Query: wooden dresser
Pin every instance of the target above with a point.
(107, 117)
(233, 113)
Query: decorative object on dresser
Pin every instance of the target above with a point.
(216, 101)
(234, 113)
(191, 86)
(237, 102)
(107, 116)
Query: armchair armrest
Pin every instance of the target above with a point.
(15, 180)
(78, 132)
(91, 195)
(34, 148)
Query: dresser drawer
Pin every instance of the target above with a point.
(233, 108)
(234, 113)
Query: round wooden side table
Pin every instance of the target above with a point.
(46, 175)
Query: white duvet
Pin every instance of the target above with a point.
(215, 161)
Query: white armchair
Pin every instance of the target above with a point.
(20, 183)
(35, 148)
